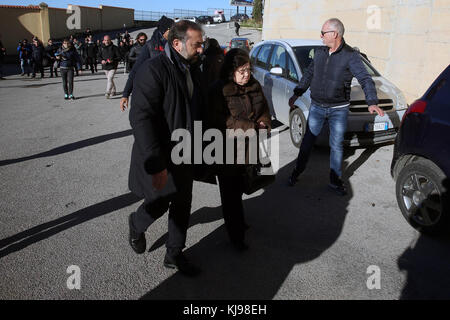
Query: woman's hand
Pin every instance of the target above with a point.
(262, 125)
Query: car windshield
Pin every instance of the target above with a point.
(238, 44)
(305, 54)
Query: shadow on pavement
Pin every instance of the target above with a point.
(288, 226)
(426, 265)
(70, 147)
(43, 231)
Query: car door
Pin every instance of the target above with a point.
(278, 83)
(260, 64)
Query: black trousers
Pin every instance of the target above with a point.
(92, 63)
(67, 80)
(237, 31)
(179, 207)
(38, 67)
(232, 206)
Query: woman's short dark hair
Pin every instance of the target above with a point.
(179, 30)
(234, 59)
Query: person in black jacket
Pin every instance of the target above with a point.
(165, 98)
(109, 57)
(50, 51)
(213, 61)
(124, 50)
(237, 26)
(2, 56)
(91, 52)
(329, 77)
(137, 48)
(153, 48)
(69, 59)
(37, 57)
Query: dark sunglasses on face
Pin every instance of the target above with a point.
(323, 32)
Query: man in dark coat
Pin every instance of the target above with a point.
(50, 51)
(91, 54)
(37, 57)
(137, 48)
(237, 26)
(109, 57)
(153, 48)
(2, 56)
(165, 98)
(213, 61)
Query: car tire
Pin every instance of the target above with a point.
(422, 197)
(297, 126)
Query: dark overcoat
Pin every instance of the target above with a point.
(160, 105)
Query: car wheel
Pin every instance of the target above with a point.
(297, 126)
(422, 197)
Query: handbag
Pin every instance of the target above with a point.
(258, 176)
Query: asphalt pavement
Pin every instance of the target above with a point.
(65, 202)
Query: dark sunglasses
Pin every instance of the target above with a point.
(323, 32)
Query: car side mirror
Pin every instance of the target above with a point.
(276, 71)
(252, 43)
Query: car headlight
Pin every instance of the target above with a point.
(401, 102)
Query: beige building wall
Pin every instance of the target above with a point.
(114, 18)
(408, 41)
(20, 22)
(17, 24)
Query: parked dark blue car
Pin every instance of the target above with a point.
(421, 162)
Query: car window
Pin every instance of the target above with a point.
(254, 54)
(304, 55)
(238, 44)
(278, 58)
(291, 72)
(263, 56)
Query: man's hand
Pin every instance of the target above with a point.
(159, 180)
(374, 108)
(123, 103)
(292, 101)
(103, 62)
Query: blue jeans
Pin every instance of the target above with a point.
(25, 63)
(337, 121)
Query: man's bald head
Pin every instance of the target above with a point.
(107, 40)
(336, 24)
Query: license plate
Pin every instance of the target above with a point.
(377, 126)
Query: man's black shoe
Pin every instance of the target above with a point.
(137, 240)
(292, 180)
(181, 264)
(338, 187)
(240, 246)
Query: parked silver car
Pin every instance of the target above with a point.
(278, 66)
